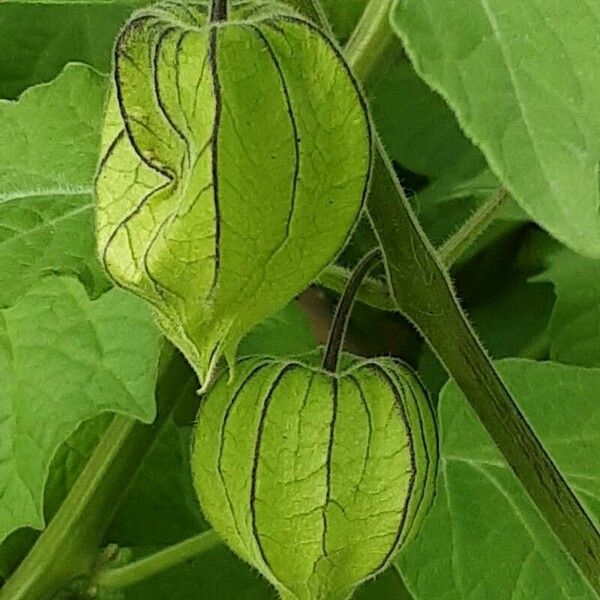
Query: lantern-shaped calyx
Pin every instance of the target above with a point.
(315, 478)
(235, 159)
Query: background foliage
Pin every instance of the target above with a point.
(508, 108)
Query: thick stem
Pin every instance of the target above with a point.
(423, 292)
(67, 548)
(376, 293)
(344, 308)
(154, 564)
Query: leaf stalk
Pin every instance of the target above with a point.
(470, 231)
(371, 39)
(159, 562)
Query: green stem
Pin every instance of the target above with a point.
(376, 294)
(157, 563)
(423, 292)
(68, 547)
(344, 309)
(372, 292)
(371, 40)
(456, 246)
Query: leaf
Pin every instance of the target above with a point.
(160, 507)
(48, 152)
(287, 333)
(421, 134)
(483, 537)
(65, 359)
(574, 325)
(509, 309)
(521, 76)
(40, 38)
(220, 197)
(512, 321)
(344, 15)
(66, 465)
(387, 586)
(417, 127)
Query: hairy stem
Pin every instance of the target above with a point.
(157, 563)
(344, 308)
(376, 294)
(372, 291)
(456, 246)
(321, 17)
(423, 292)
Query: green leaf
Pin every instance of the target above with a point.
(417, 127)
(387, 586)
(511, 321)
(65, 359)
(287, 333)
(421, 134)
(48, 152)
(66, 465)
(160, 507)
(40, 38)
(521, 76)
(221, 197)
(344, 15)
(483, 537)
(509, 309)
(574, 326)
